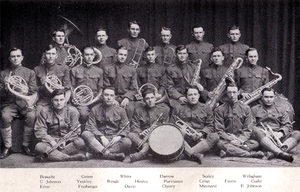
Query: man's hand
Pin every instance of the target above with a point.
(115, 139)
(210, 94)
(195, 137)
(124, 103)
(182, 100)
(278, 134)
(236, 142)
(104, 141)
(158, 96)
(116, 103)
(246, 95)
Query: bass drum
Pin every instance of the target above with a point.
(282, 101)
(166, 143)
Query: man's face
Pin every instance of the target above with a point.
(268, 98)
(217, 57)
(109, 96)
(59, 37)
(166, 36)
(88, 55)
(233, 93)
(192, 96)
(16, 58)
(182, 55)
(59, 101)
(122, 55)
(150, 100)
(134, 30)
(234, 35)
(101, 37)
(151, 56)
(252, 57)
(198, 33)
(51, 56)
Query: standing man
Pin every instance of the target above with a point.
(89, 75)
(132, 41)
(276, 118)
(200, 118)
(211, 76)
(51, 67)
(251, 76)
(199, 49)
(165, 47)
(234, 124)
(53, 124)
(234, 49)
(152, 72)
(144, 116)
(124, 79)
(179, 76)
(103, 127)
(14, 106)
(108, 54)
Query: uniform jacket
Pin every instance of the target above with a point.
(234, 118)
(52, 124)
(233, 51)
(200, 50)
(144, 116)
(109, 56)
(107, 120)
(62, 54)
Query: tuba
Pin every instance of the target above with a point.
(256, 94)
(18, 86)
(163, 99)
(82, 95)
(52, 82)
(169, 56)
(218, 91)
(138, 53)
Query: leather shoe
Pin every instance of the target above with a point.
(197, 157)
(6, 152)
(285, 156)
(77, 157)
(27, 151)
(137, 157)
(116, 156)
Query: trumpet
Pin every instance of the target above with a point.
(188, 130)
(18, 86)
(82, 95)
(138, 53)
(270, 134)
(52, 82)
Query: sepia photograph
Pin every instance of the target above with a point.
(143, 95)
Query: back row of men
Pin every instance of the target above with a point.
(116, 86)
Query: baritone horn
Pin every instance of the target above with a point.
(159, 98)
(82, 95)
(52, 82)
(18, 86)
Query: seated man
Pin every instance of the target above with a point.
(234, 124)
(200, 118)
(144, 116)
(276, 117)
(14, 106)
(53, 124)
(106, 130)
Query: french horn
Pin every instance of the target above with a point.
(82, 95)
(52, 82)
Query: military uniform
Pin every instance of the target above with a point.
(106, 121)
(179, 76)
(154, 74)
(61, 52)
(131, 44)
(249, 78)
(63, 74)
(13, 106)
(90, 76)
(210, 78)
(277, 118)
(235, 120)
(160, 51)
(233, 51)
(52, 125)
(124, 79)
(200, 118)
(200, 50)
(142, 119)
(108, 56)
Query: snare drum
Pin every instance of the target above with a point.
(166, 143)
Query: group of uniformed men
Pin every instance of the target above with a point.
(115, 121)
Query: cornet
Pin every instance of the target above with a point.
(18, 86)
(52, 82)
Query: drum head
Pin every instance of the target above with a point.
(166, 140)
